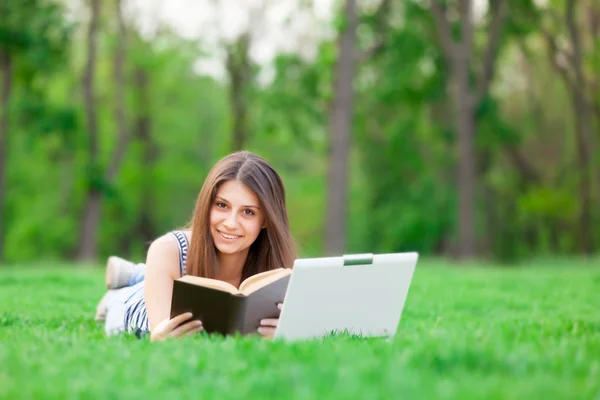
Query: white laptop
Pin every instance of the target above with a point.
(359, 294)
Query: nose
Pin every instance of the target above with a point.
(231, 221)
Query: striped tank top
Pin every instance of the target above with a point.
(136, 316)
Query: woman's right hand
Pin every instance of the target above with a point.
(176, 327)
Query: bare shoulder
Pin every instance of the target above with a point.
(163, 254)
(165, 243)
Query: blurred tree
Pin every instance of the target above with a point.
(91, 213)
(145, 228)
(592, 10)
(120, 83)
(239, 70)
(466, 99)
(101, 180)
(32, 33)
(400, 187)
(340, 122)
(402, 139)
(569, 63)
(6, 71)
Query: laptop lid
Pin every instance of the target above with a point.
(361, 294)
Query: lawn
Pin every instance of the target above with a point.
(531, 332)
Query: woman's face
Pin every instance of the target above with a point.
(236, 218)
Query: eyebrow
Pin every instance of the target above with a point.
(247, 206)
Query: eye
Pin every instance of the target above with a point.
(220, 204)
(248, 212)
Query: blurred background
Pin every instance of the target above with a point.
(457, 128)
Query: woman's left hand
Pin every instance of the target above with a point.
(268, 326)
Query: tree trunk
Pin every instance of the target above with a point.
(466, 98)
(120, 85)
(89, 225)
(583, 163)
(593, 13)
(6, 71)
(238, 67)
(586, 144)
(340, 129)
(91, 217)
(465, 128)
(145, 228)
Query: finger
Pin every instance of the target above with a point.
(269, 321)
(194, 331)
(280, 306)
(188, 326)
(178, 320)
(186, 332)
(266, 331)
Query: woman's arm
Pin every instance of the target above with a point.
(162, 268)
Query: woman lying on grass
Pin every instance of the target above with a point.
(239, 228)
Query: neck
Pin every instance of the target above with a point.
(231, 266)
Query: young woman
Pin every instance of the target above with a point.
(239, 228)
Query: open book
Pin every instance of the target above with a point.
(227, 310)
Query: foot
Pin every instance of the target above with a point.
(101, 308)
(118, 272)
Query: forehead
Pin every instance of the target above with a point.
(236, 192)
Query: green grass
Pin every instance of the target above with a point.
(514, 333)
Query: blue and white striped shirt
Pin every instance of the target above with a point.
(136, 316)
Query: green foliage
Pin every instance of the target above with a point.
(37, 32)
(296, 101)
(465, 333)
(403, 191)
(407, 202)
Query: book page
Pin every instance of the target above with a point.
(210, 283)
(263, 279)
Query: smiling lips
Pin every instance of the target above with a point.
(227, 236)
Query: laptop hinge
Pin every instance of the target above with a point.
(358, 259)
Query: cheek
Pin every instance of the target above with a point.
(259, 225)
(254, 227)
(213, 217)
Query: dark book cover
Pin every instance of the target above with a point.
(225, 313)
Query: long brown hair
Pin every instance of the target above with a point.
(273, 248)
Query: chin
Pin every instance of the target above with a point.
(226, 250)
